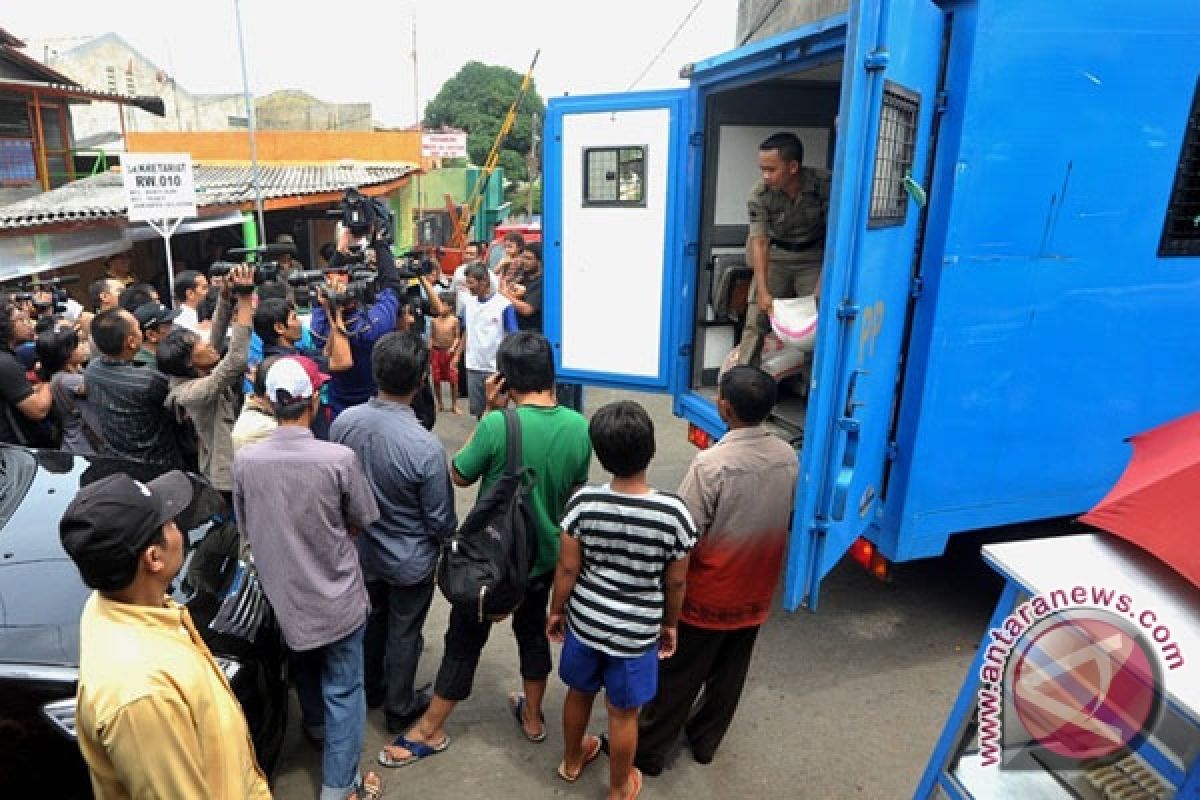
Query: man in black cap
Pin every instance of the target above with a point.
(156, 321)
(155, 716)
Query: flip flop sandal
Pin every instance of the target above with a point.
(591, 751)
(516, 704)
(369, 791)
(416, 751)
(635, 781)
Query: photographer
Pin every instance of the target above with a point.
(362, 324)
(206, 385)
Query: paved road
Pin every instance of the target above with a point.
(845, 703)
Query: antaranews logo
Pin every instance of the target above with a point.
(1074, 674)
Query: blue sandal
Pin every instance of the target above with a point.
(516, 703)
(416, 751)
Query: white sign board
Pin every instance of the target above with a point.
(451, 144)
(159, 186)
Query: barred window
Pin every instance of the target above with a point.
(614, 176)
(1181, 230)
(894, 151)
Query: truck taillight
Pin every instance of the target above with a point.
(699, 437)
(869, 558)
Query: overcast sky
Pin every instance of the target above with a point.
(356, 52)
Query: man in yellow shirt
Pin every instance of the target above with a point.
(156, 717)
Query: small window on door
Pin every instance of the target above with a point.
(1181, 230)
(894, 151)
(614, 176)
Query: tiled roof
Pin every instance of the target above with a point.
(103, 196)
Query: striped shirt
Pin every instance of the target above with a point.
(627, 540)
(136, 423)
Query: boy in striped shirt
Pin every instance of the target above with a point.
(621, 576)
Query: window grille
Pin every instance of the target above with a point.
(614, 176)
(894, 152)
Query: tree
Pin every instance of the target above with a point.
(476, 100)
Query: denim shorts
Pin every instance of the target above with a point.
(628, 682)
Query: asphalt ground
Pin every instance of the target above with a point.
(843, 703)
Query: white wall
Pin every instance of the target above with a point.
(737, 164)
(613, 258)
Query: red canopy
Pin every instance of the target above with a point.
(1156, 503)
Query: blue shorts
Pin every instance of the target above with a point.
(628, 682)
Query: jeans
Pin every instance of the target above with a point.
(394, 642)
(329, 684)
(477, 392)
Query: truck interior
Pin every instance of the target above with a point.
(737, 121)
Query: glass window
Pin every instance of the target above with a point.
(1181, 230)
(17, 165)
(894, 151)
(614, 176)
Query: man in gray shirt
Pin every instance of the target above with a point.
(299, 501)
(406, 466)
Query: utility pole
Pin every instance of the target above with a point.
(258, 201)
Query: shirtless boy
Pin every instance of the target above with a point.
(445, 343)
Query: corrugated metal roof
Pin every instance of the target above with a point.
(103, 196)
(152, 104)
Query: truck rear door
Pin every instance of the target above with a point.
(612, 244)
(886, 118)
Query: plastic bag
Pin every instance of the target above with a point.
(794, 321)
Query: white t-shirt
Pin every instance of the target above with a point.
(459, 286)
(485, 330)
(188, 319)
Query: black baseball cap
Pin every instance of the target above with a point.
(151, 315)
(110, 522)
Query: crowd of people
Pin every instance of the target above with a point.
(320, 438)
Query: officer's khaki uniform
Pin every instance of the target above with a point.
(789, 274)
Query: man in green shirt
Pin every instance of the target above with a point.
(555, 446)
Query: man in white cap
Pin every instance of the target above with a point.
(155, 716)
(300, 502)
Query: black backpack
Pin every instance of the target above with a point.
(484, 568)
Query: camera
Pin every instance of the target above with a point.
(264, 270)
(361, 288)
(416, 263)
(57, 304)
(363, 215)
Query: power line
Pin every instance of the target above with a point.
(666, 44)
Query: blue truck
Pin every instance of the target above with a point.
(1011, 258)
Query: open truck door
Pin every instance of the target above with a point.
(887, 114)
(612, 244)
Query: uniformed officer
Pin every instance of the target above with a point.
(786, 244)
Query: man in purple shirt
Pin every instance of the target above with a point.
(300, 501)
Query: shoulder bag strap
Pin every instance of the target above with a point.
(513, 428)
(513, 467)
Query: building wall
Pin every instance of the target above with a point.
(110, 63)
(284, 146)
(760, 19)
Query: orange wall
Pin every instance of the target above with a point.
(300, 146)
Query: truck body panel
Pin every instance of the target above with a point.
(1007, 273)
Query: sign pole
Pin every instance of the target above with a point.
(166, 229)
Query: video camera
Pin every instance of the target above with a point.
(361, 288)
(264, 270)
(57, 304)
(416, 263)
(364, 216)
